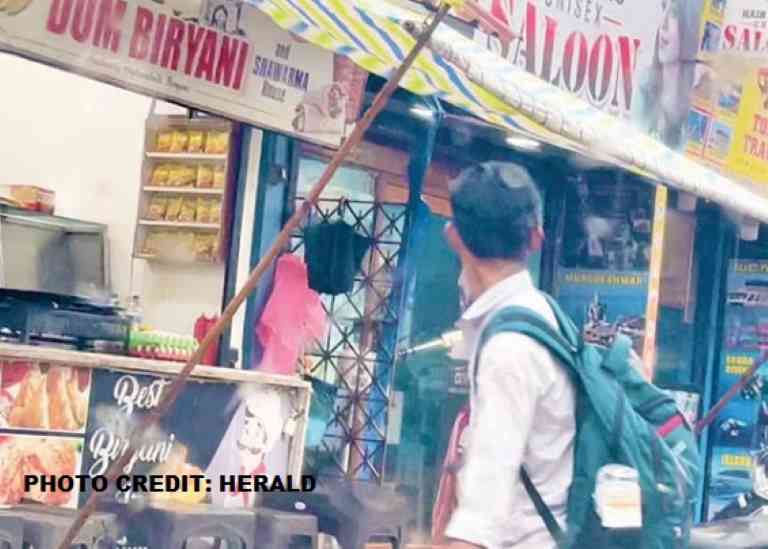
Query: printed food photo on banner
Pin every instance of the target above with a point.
(43, 398)
(22, 455)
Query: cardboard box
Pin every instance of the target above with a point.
(30, 197)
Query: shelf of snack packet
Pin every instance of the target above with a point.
(185, 190)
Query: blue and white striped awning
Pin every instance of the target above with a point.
(373, 34)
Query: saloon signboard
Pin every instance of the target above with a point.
(221, 56)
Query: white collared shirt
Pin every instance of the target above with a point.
(523, 409)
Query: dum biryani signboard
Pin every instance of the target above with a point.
(225, 57)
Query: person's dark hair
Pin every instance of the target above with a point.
(495, 207)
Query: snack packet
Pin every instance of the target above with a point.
(215, 211)
(174, 208)
(204, 176)
(188, 176)
(196, 139)
(204, 210)
(164, 140)
(219, 177)
(217, 142)
(204, 246)
(175, 175)
(157, 208)
(160, 175)
(179, 141)
(188, 210)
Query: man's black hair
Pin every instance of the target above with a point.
(495, 208)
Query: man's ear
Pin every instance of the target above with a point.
(537, 239)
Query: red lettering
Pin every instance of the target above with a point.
(761, 124)
(140, 38)
(194, 36)
(58, 17)
(601, 51)
(108, 25)
(158, 40)
(581, 62)
(627, 62)
(82, 21)
(530, 38)
(729, 36)
(550, 31)
(744, 42)
(172, 46)
(207, 57)
(227, 58)
(240, 73)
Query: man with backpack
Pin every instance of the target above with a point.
(523, 402)
(547, 411)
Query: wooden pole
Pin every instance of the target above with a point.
(279, 244)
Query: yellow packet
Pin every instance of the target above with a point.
(174, 208)
(204, 210)
(219, 177)
(196, 140)
(204, 177)
(188, 210)
(157, 208)
(175, 175)
(179, 141)
(188, 176)
(203, 246)
(160, 175)
(215, 211)
(164, 140)
(217, 142)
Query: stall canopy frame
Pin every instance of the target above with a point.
(377, 35)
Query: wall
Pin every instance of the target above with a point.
(84, 140)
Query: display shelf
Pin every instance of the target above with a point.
(153, 196)
(188, 156)
(185, 190)
(180, 225)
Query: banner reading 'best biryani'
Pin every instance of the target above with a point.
(617, 55)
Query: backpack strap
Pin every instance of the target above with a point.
(543, 510)
(564, 345)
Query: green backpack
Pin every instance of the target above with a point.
(621, 419)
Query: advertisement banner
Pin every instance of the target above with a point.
(741, 428)
(65, 421)
(728, 125)
(220, 56)
(612, 54)
(602, 276)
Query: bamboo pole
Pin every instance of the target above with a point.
(279, 244)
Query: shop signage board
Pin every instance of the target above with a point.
(728, 126)
(221, 56)
(602, 51)
(57, 419)
(739, 429)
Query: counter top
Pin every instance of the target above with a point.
(12, 351)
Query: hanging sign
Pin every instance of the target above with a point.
(223, 57)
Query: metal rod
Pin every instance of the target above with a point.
(282, 240)
(727, 397)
